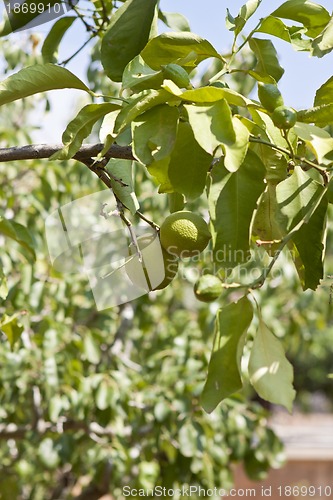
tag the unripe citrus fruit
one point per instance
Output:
(208, 288)
(177, 74)
(269, 96)
(157, 269)
(284, 117)
(184, 234)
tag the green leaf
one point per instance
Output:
(12, 328)
(274, 161)
(154, 133)
(102, 395)
(268, 224)
(55, 407)
(160, 171)
(106, 134)
(3, 285)
(48, 454)
(271, 133)
(330, 191)
(298, 196)
(223, 379)
(270, 372)
(139, 76)
(188, 439)
(149, 472)
(38, 78)
(140, 103)
(176, 202)
(291, 34)
(175, 21)
(19, 233)
(318, 140)
(324, 94)
(309, 242)
(123, 170)
(267, 58)
(91, 349)
(212, 94)
(246, 11)
(235, 153)
(126, 36)
(312, 15)
(274, 26)
(319, 115)
(185, 49)
(214, 126)
(323, 43)
(79, 128)
(232, 200)
(189, 164)
(54, 37)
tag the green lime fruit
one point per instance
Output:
(184, 234)
(208, 288)
(149, 274)
(177, 74)
(269, 96)
(284, 117)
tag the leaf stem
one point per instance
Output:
(285, 135)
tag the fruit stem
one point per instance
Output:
(285, 135)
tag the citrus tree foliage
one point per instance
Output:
(205, 142)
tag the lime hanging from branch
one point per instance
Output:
(208, 288)
(284, 117)
(184, 234)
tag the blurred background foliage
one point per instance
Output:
(93, 401)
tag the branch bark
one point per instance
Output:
(86, 152)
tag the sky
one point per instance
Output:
(303, 75)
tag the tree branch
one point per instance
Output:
(87, 151)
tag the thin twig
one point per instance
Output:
(285, 135)
(129, 226)
(156, 227)
(66, 61)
